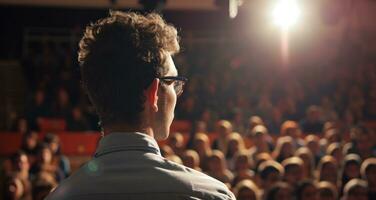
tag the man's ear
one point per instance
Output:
(152, 95)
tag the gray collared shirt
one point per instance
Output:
(130, 166)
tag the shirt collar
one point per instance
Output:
(127, 141)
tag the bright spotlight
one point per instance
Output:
(286, 13)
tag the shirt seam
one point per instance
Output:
(126, 148)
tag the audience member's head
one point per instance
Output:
(247, 190)
(254, 121)
(29, 143)
(176, 142)
(259, 137)
(355, 189)
(77, 114)
(191, 159)
(39, 97)
(216, 162)
(53, 142)
(350, 168)
(327, 191)
(242, 168)
(293, 170)
(20, 162)
(335, 150)
(217, 167)
(306, 190)
(329, 125)
(308, 159)
(62, 98)
(290, 128)
(21, 126)
(279, 191)
(201, 126)
(313, 113)
(224, 128)
(332, 135)
(313, 143)
(270, 172)
(284, 148)
(235, 143)
(327, 170)
(45, 154)
(166, 151)
(368, 172)
(260, 158)
(242, 161)
(201, 144)
(362, 141)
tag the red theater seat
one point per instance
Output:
(79, 143)
(9, 143)
(52, 124)
(72, 143)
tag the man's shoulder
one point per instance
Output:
(200, 184)
(162, 177)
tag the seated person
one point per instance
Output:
(293, 170)
(247, 190)
(355, 189)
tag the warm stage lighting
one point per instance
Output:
(286, 13)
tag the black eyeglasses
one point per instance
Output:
(178, 81)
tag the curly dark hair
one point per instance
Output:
(119, 57)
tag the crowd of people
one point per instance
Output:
(290, 166)
(229, 86)
(286, 134)
(35, 169)
(254, 165)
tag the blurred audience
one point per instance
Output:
(299, 133)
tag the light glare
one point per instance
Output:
(286, 13)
